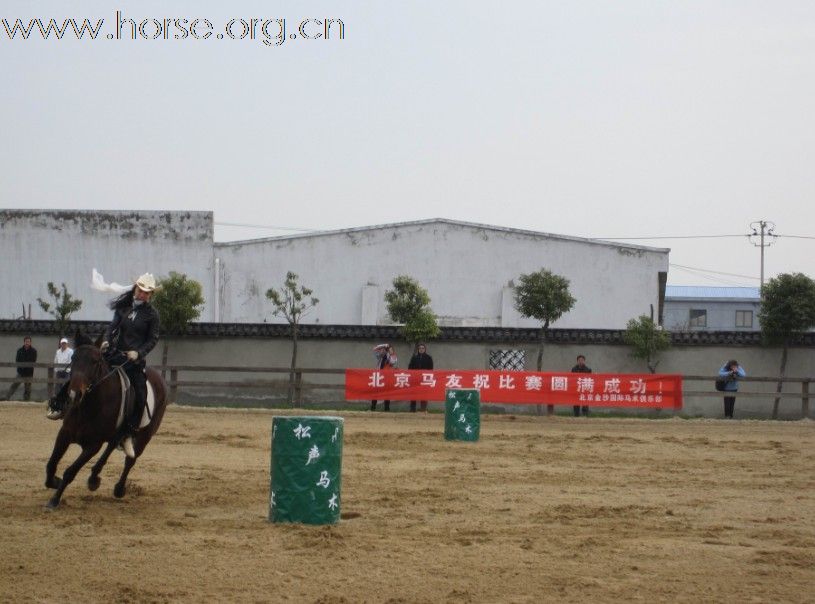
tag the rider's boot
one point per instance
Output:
(56, 404)
(128, 443)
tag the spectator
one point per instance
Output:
(26, 354)
(63, 357)
(731, 372)
(420, 360)
(581, 367)
(385, 359)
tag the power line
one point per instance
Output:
(698, 237)
(705, 270)
(712, 278)
(672, 237)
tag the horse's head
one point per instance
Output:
(80, 339)
(87, 368)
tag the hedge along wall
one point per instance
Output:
(462, 348)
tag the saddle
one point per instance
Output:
(128, 401)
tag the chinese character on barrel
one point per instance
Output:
(462, 414)
(306, 470)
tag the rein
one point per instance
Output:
(95, 383)
(106, 376)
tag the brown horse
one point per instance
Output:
(92, 419)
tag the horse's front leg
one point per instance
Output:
(71, 471)
(93, 479)
(61, 445)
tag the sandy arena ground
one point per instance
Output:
(541, 509)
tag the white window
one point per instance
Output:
(698, 317)
(744, 318)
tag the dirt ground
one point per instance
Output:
(541, 509)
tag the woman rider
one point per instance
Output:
(131, 335)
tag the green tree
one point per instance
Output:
(647, 340)
(544, 296)
(292, 302)
(409, 304)
(178, 302)
(787, 310)
(62, 307)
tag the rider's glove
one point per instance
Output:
(104, 346)
(132, 355)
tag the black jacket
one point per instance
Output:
(134, 328)
(579, 369)
(26, 356)
(421, 360)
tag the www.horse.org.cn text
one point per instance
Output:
(267, 31)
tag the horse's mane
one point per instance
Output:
(80, 339)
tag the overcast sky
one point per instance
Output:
(593, 119)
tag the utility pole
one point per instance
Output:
(763, 230)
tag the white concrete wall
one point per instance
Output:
(38, 246)
(339, 354)
(465, 268)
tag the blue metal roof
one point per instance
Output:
(702, 291)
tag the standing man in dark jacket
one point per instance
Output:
(581, 367)
(26, 354)
(420, 360)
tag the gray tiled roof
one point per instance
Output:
(381, 332)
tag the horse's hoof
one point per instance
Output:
(53, 482)
(119, 491)
(93, 483)
(52, 504)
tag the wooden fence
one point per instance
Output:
(175, 384)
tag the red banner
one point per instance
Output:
(519, 387)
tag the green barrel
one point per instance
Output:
(462, 415)
(306, 470)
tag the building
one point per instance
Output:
(59, 246)
(697, 308)
(468, 269)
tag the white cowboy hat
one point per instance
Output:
(147, 283)
(63, 341)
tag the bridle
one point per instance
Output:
(98, 381)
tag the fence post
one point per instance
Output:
(298, 389)
(173, 385)
(805, 398)
(50, 385)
